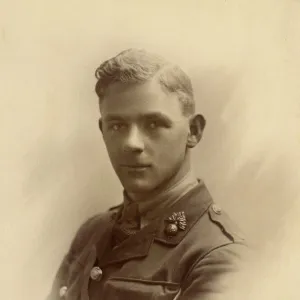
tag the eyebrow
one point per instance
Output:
(113, 117)
(153, 115)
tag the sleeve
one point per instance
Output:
(60, 279)
(213, 274)
(59, 283)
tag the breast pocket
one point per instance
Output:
(118, 288)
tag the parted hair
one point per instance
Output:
(138, 66)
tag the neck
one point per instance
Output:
(183, 171)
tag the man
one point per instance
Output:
(168, 239)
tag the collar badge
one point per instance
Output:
(177, 221)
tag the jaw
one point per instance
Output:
(138, 188)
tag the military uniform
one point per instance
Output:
(183, 254)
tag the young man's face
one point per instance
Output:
(145, 133)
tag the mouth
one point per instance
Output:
(136, 167)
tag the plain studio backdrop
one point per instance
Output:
(243, 58)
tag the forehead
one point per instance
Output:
(136, 99)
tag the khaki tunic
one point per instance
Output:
(155, 263)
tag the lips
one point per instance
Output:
(135, 167)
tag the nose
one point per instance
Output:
(133, 141)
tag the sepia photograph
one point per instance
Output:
(151, 150)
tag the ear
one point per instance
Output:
(100, 125)
(197, 124)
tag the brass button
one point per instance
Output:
(96, 274)
(217, 209)
(171, 229)
(62, 291)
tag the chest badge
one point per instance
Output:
(176, 222)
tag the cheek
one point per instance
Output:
(112, 146)
(177, 139)
(170, 145)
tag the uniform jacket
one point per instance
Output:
(188, 264)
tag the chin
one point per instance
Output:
(138, 186)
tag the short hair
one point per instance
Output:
(139, 66)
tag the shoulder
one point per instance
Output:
(216, 229)
(97, 219)
(227, 226)
(115, 208)
(90, 226)
(225, 243)
(219, 240)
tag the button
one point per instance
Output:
(171, 229)
(62, 291)
(96, 274)
(217, 209)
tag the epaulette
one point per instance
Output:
(227, 226)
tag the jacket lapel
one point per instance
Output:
(135, 246)
(193, 204)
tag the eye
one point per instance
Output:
(117, 126)
(153, 125)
